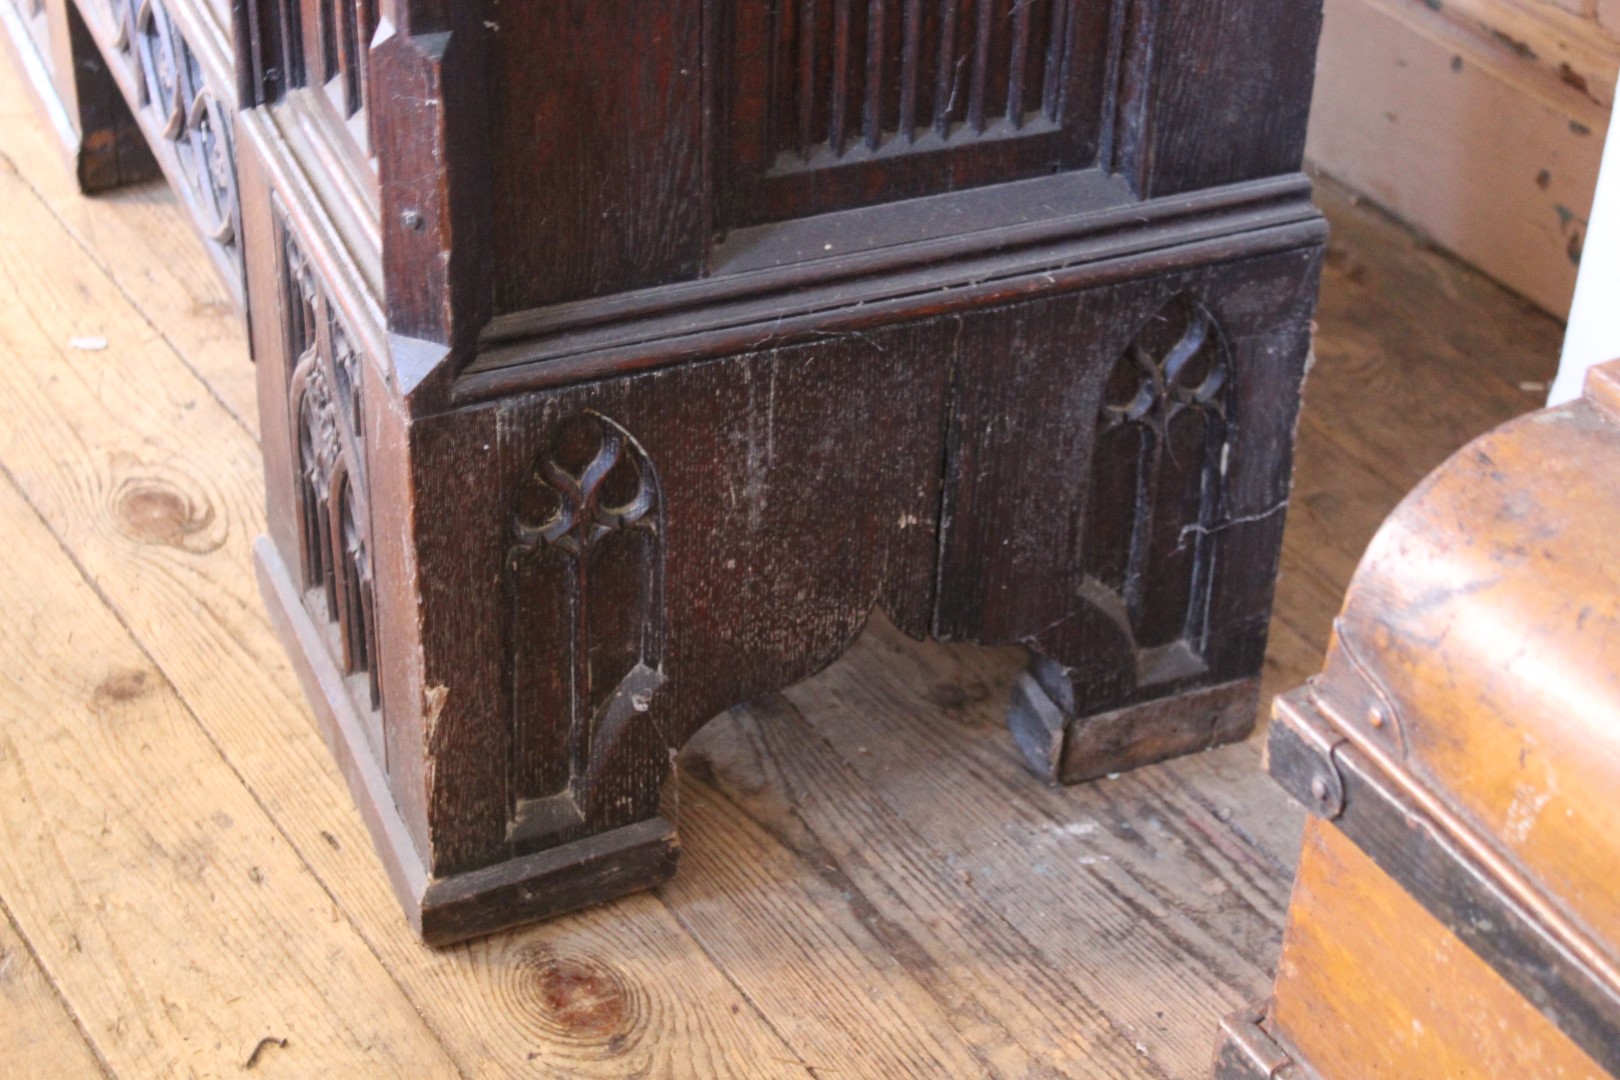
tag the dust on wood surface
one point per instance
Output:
(872, 885)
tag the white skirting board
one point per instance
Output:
(1481, 124)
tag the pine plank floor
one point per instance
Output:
(871, 885)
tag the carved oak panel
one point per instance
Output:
(186, 119)
(1151, 479)
(328, 441)
(939, 94)
(1159, 455)
(585, 574)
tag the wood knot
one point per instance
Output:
(156, 512)
(578, 998)
(123, 686)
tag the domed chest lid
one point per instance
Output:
(1477, 660)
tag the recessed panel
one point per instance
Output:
(841, 103)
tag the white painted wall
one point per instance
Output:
(1463, 119)
(1594, 317)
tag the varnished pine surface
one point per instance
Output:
(871, 884)
(1372, 985)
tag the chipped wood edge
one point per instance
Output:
(442, 911)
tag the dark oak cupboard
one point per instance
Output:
(618, 358)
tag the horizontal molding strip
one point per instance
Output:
(767, 309)
(1117, 214)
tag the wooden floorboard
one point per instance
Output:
(184, 935)
(39, 1036)
(149, 254)
(154, 486)
(872, 885)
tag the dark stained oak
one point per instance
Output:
(1098, 929)
(617, 361)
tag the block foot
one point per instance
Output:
(1064, 748)
(442, 910)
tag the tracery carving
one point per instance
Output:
(583, 514)
(585, 571)
(173, 93)
(334, 525)
(357, 615)
(1161, 449)
(299, 290)
(346, 368)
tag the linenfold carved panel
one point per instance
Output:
(344, 30)
(868, 71)
(1160, 449)
(328, 436)
(585, 571)
(992, 90)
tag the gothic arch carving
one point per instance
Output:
(327, 438)
(1161, 447)
(194, 123)
(585, 580)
